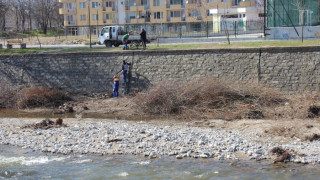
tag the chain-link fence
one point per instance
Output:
(288, 13)
(199, 29)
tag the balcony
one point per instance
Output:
(72, 11)
(69, 23)
(63, 11)
(66, 1)
(245, 4)
(109, 9)
(194, 18)
(175, 6)
(108, 21)
(174, 19)
(194, 5)
(137, 21)
(67, 11)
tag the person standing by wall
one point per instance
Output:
(143, 36)
(124, 70)
(115, 91)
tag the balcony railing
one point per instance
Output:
(71, 22)
(71, 10)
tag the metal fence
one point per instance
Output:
(182, 29)
(198, 29)
(288, 13)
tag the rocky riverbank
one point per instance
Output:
(154, 139)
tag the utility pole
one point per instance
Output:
(88, 1)
(264, 17)
(98, 19)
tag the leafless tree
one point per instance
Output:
(47, 14)
(3, 9)
(301, 7)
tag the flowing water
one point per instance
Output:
(24, 164)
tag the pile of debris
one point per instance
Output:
(65, 108)
(282, 154)
(46, 124)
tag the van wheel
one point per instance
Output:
(108, 44)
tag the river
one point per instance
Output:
(17, 163)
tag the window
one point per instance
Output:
(176, 2)
(261, 15)
(194, 13)
(230, 16)
(95, 4)
(158, 15)
(104, 30)
(236, 2)
(208, 13)
(224, 0)
(209, 1)
(156, 2)
(175, 14)
(73, 31)
(82, 17)
(110, 16)
(95, 17)
(144, 2)
(82, 5)
(109, 4)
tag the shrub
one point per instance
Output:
(207, 98)
(7, 95)
(41, 97)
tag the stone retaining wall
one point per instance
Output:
(289, 69)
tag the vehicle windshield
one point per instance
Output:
(104, 30)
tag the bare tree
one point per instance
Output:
(3, 10)
(47, 13)
(301, 7)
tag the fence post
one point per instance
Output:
(180, 31)
(207, 29)
(235, 29)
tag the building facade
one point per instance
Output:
(109, 12)
(246, 14)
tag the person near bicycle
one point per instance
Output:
(125, 41)
(143, 36)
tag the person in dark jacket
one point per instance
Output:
(124, 70)
(143, 36)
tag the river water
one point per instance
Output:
(16, 163)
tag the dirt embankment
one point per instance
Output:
(257, 111)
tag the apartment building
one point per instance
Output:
(241, 11)
(109, 12)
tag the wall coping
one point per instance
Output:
(187, 51)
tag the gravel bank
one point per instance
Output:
(154, 140)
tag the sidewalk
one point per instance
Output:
(216, 39)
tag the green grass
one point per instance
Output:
(296, 43)
(56, 50)
(170, 47)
